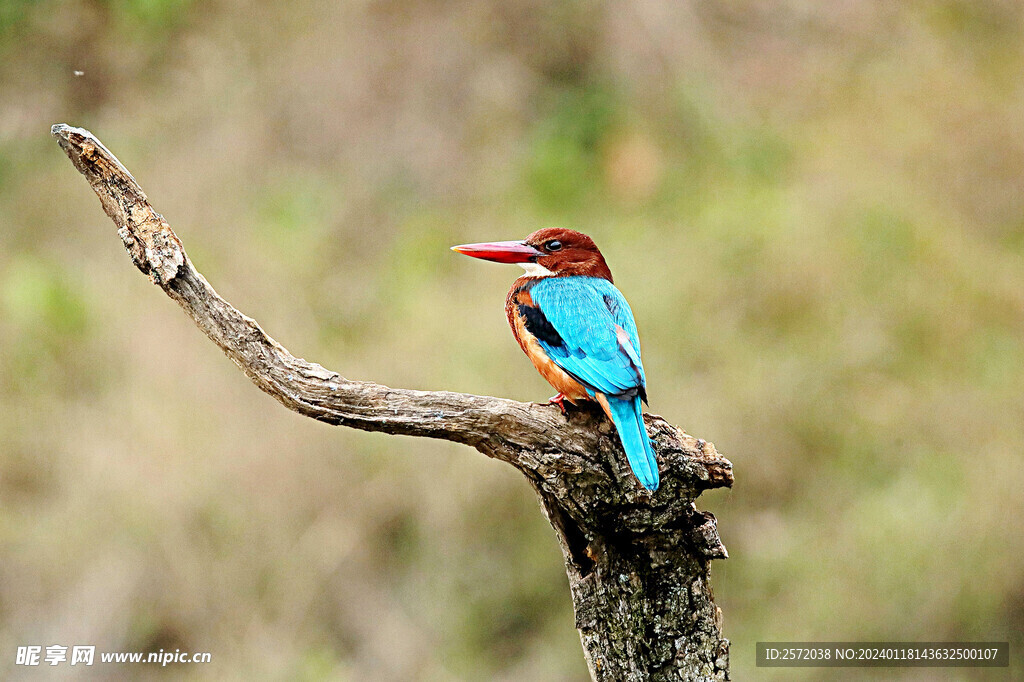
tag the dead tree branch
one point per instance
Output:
(638, 565)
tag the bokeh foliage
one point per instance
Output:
(815, 210)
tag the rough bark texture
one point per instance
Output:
(638, 564)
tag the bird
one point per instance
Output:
(578, 331)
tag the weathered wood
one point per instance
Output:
(638, 564)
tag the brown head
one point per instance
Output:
(552, 251)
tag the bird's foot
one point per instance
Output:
(558, 400)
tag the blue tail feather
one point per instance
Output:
(629, 422)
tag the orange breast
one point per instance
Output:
(555, 375)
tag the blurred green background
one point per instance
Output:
(815, 209)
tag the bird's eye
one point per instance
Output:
(553, 245)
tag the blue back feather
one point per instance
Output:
(586, 311)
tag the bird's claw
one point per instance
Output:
(558, 400)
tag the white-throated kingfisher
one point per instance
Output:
(578, 331)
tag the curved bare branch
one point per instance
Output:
(607, 525)
(519, 433)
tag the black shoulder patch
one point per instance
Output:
(538, 325)
(612, 305)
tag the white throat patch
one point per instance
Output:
(536, 270)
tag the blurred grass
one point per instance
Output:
(815, 211)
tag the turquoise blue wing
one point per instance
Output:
(596, 339)
(586, 327)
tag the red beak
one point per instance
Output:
(500, 252)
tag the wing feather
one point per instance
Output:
(600, 346)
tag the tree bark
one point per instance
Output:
(638, 564)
